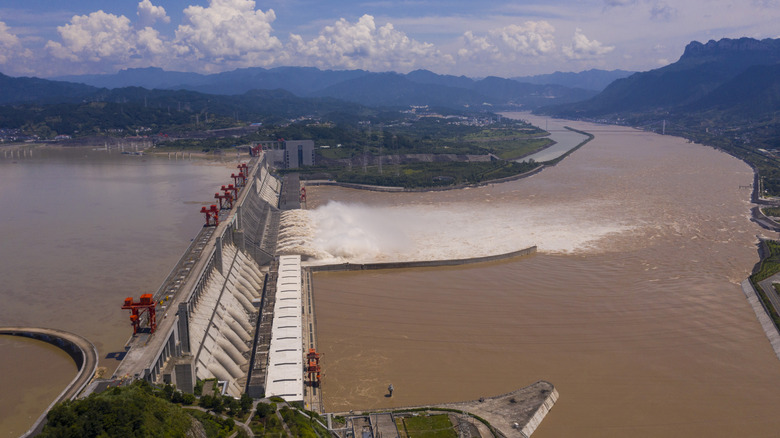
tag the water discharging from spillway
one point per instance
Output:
(632, 306)
(338, 231)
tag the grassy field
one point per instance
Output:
(433, 426)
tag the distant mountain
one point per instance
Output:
(500, 91)
(151, 78)
(429, 77)
(24, 89)
(701, 70)
(593, 79)
(396, 90)
(420, 87)
(752, 93)
(298, 80)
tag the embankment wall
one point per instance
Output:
(420, 264)
(80, 349)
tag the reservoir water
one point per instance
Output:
(631, 308)
(82, 230)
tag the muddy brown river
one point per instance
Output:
(81, 230)
(632, 307)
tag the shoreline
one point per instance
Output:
(396, 189)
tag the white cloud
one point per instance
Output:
(583, 48)
(95, 37)
(510, 43)
(227, 30)
(148, 14)
(10, 47)
(363, 45)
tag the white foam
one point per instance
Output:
(339, 232)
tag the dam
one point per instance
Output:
(217, 305)
(238, 306)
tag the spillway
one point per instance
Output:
(211, 300)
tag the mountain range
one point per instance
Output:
(734, 75)
(420, 87)
(593, 79)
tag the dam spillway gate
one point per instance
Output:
(216, 307)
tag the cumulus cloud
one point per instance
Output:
(10, 46)
(227, 30)
(583, 48)
(226, 33)
(148, 14)
(362, 45)
(95, 37)
(510, 43)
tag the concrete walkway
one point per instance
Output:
(79, 348)
(770, 329)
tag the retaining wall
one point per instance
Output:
(420, 264)
(80, 349)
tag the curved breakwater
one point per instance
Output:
(81, 350)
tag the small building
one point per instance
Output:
(298, 153)
(289, 154)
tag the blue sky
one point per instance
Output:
(475, 38)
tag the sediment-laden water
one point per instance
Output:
(81, 230)
(631, 307)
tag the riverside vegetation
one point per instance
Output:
(143, 410)
(406, 152)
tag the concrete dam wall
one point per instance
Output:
(212, 297)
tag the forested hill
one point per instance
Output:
(714, 67)
(134, 110)
(36, 90)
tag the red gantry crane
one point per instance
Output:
(137, 308)
(225, 201)
(231, 190)
(313, 370)
(212, 215)
(239, 180)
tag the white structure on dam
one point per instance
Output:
(285, 356)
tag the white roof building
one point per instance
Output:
(285, 356)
